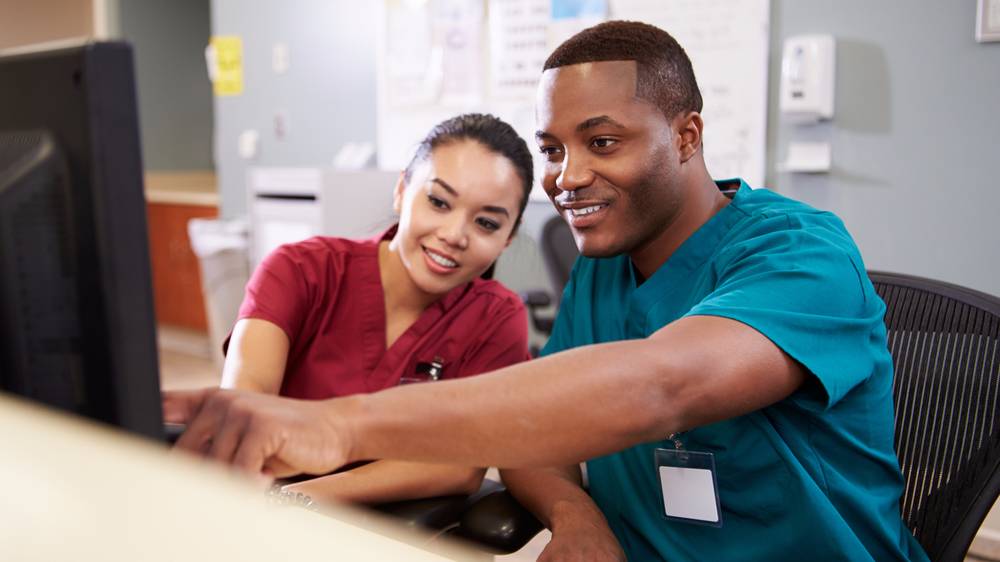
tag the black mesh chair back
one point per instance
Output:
(945, 345)
(558, 252)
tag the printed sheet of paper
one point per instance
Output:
(224, 57)
(572, 16)
(458, 29)
(518, 46)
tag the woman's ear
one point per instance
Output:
(397, 194)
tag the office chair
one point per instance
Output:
(440, 513)
(944, 343)
(559, 252)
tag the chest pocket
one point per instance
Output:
(753, 476)
(446, 356)
(424, 371)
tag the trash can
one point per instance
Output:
(222, 250)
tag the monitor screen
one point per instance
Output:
(76, 312)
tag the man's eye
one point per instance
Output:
(437, 202)
(603, 142)
(492, 226)
(548, 150)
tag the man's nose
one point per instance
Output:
(574, 174)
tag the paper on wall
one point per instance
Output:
(518, 47)
(224, 59)
(727, 41)
(569, 17)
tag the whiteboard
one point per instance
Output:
(423, 46)
(727, 42)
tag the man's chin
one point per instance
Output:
(594, 249)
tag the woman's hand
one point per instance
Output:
(261, 434)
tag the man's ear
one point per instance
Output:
(689, 127)
(397, 194)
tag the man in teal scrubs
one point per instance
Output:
(812, 475)
(719, 357)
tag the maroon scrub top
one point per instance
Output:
(326, 294)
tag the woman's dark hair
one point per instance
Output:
(492, 133)
(489, 131)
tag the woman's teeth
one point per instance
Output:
(441, 260)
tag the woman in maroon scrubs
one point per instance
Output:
(331, 317)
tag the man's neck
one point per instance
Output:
(702, 200)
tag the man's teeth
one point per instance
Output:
(586, 210)
(441, 260)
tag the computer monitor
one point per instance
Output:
(76, 309)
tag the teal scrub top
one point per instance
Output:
(814, 476)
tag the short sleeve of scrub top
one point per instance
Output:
(279, 290)
(804, 287)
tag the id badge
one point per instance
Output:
(688, 486)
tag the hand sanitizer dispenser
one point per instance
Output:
(807, 71)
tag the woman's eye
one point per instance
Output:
(492, 226)
(437, 202)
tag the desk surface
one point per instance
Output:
(195, 187)
(77, 491)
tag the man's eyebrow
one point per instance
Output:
(488, 208)
(587, 124)
(596, 121)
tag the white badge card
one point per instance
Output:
(688, 486)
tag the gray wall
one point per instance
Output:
(175, 96)
(916, 134)
(327, 97)
(916, 137)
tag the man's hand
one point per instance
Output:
(260, 433)
(582, 536)
(579, 530)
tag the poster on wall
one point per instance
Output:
(457, 27)
(433, 53)
(569, 17)
(224, 59)
(988, 21)
(411, 64)
(518, 46)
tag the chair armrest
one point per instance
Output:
(536, 297)
(498, 522)
(438, 512)
(536, 300)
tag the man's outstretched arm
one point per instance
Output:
(557, 410)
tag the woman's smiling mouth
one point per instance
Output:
(443, 263)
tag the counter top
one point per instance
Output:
(194, 187)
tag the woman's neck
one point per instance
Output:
(401, 294)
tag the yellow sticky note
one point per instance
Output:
(228, 79)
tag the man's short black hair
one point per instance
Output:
(665, 77)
